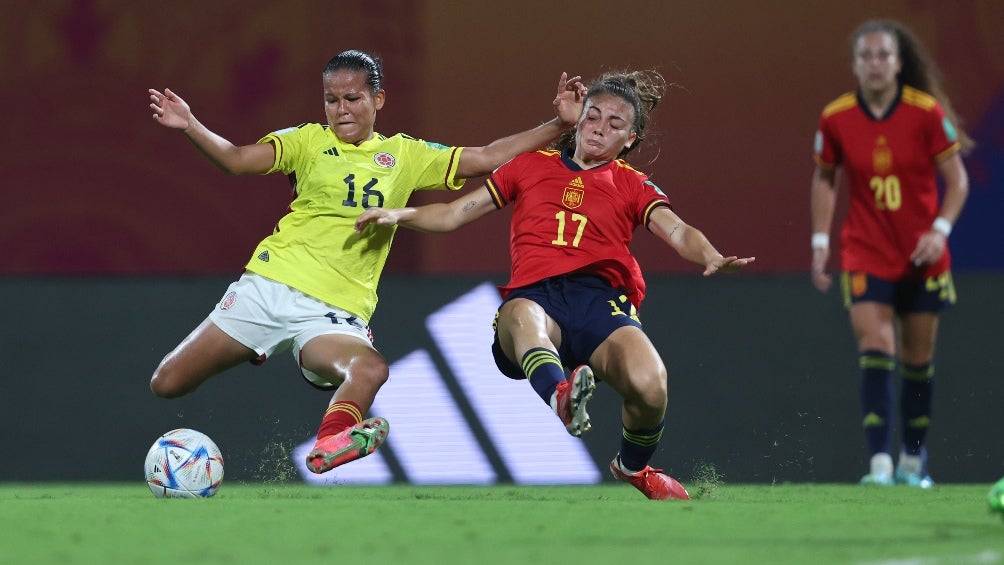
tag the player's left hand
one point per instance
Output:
(727, 265)
(929, 249)
(569, 101)
(378, 216)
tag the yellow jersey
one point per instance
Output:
(314, 248)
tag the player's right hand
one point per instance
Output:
(820, 278)
(570, 99)
(169, 109)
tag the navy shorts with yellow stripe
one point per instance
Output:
(585, 307)
(933, 294)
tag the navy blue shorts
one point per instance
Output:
(585, 307)
(905, 297)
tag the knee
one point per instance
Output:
(878, 340)
(652, 392)
(655, 394)
(373, 372)
(160, 386)
(645, 405)
(520, 312)
(165, 384)
(916, 356)
(369, 372)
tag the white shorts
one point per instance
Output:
(270, 317)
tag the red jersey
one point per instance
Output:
(572, 220)
(891, 168)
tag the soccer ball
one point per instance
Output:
(184, 463)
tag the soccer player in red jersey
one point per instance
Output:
(891, 138)
(575, 289)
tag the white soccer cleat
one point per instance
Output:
(880, 473)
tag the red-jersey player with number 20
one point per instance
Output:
(891, 138)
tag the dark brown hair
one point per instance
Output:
(919, 69)
(353, 60)
(641, 89)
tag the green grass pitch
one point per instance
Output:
(612, 524)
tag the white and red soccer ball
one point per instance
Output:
(184, 463)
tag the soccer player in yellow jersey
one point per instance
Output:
(310, 286)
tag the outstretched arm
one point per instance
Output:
(170, 110)
(823, 200)
(437, 218)
(691, 244)
(477, 161)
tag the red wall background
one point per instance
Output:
(92, 186)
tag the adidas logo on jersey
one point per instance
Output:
(332, 151)
(263, 256)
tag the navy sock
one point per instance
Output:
(876, 399)
(637, 446)
(915, 405)
(544, 371)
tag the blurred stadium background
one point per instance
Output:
(117, 237)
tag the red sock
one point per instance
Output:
(339, 416)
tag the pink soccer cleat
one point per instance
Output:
(347, 445)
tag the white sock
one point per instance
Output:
(624, 469)
(910, 464)
(881, 464)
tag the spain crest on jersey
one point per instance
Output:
(573, 194)
(882, 156)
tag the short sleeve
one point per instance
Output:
(502, 183)
(943, 136)
(826, 148)
(434, 165)
(288, 143)
(648, 197)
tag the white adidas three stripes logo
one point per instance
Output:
(430, 436)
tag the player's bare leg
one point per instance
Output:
(630, 364)
(205, 352)
(530, 339)
(359, 371)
